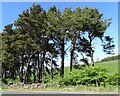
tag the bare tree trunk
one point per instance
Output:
(72, 55)
(39, 73)
(27, 74)
(19, 73)
(5, 73)
(2, 73)
(62, 59)
(34, 75)
(22, 67)
(42, 65)
(92, 60)
(13, 72)
(51, 67)
(92, 52)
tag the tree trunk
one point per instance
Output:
(19, 73)
(21, 76)
(13, 72)
(92, 60)
(27, 74)
(51, 68)
(42, 66)
(39, 73)
(62, 59)
(5, 73)
(34, 74)
(2, 73)
(72, 55)
(22, 72)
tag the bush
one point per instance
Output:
(89, 76)
(113, 79)
(4, 81)
(79, 66)
(68, 80)
(92, 75)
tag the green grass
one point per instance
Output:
(111, 66)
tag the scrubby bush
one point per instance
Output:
(89, 76)
(68, 80)
(92, 75)
(113, 79)
(4, 81)
(79, 66)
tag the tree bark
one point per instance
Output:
(13, 72)
(51, 68)
(42, 65)
(72, 55)
(27, 74)
(34, 74)
(90, 39)
(5, 73)
(62, 59)
(22, 67)
(39, 73)
(92, 60)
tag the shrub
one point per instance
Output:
(92, 75)
(89, 76)
(79, 66)
(68, 80)
(113, 79)
(4, 81)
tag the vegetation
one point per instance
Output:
(112, 58)
(111, 66)
(32, 44)
(107, 79)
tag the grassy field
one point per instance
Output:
(111, 66)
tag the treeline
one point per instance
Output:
(32, 44)
(111, 58)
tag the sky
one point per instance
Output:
(10, 11)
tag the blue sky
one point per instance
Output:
(10, 11)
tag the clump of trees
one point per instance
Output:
(110, 58)
(32, 44)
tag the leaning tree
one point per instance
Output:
(94, 27)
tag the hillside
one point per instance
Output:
(117, 57)
(111, 66)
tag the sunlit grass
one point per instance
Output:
(112, 66)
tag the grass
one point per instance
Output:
(111, 66)
(79, 88)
